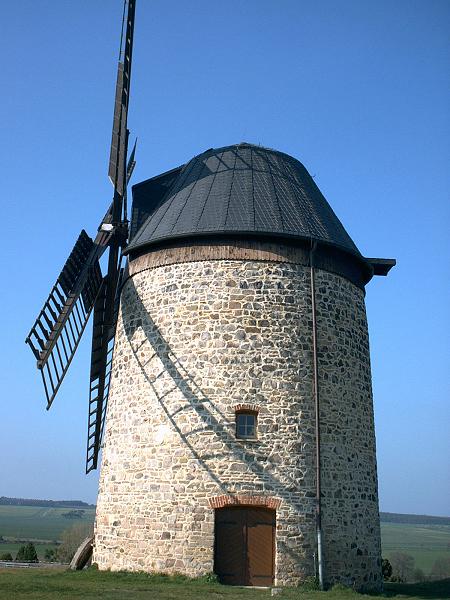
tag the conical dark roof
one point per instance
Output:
(241, 190)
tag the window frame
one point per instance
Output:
(246, 412)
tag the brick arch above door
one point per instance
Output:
(244, 500)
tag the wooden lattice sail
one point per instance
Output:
(81, 288)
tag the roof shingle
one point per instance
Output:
(242, 189)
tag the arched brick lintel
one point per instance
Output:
(244, 407)
(240, 500)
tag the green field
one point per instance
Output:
(37, 523)
(425, 543)
(43, 584)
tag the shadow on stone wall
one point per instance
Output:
(138, 317)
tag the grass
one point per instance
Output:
(43, 584)
(425, 543)
(440, 590)
(38, 523)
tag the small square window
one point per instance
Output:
(246, 425)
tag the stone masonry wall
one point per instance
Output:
(194, 342)
(351, 528)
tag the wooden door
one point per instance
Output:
(245, 546)
(229, 561)
(260, 524)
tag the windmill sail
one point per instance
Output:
(99, 382)
(106, 309)
(117, 158)
(117, 153)
(131, 162)
(59, 326)
(80, 287)
(101, 364)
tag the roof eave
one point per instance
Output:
(381, 266)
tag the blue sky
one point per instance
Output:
(355, 89)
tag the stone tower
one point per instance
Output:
(240, 405)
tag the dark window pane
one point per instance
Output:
(241, 431)
(245, 425)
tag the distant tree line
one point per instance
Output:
(5, 501)
(386, 517)
(73, 514)
(401, 567)
(26, 553)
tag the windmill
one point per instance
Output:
(81, 288)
